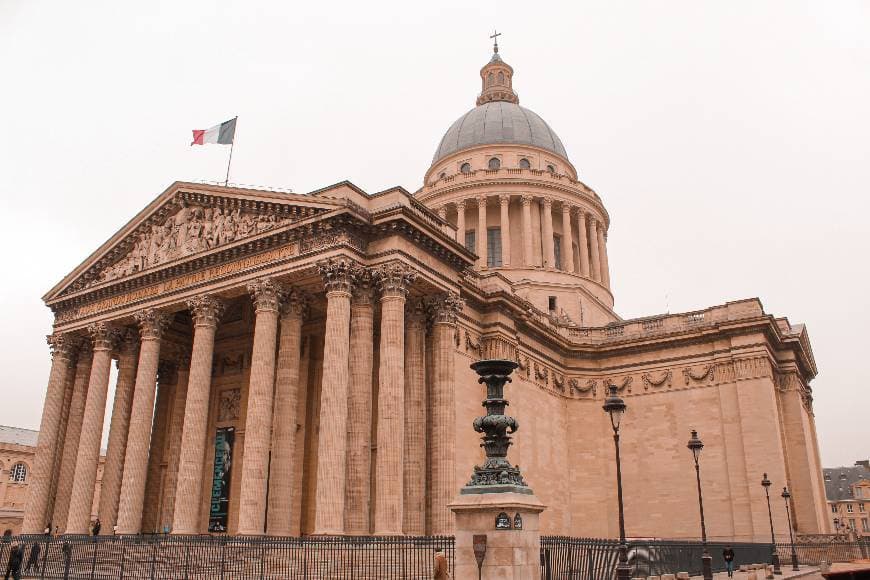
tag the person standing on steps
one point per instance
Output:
(441, 568)
(728, 555)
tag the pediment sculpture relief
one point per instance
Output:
(192, 228)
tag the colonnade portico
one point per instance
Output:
(579, 226)
(178, 423)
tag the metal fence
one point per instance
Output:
(232, 558)
(835, 550)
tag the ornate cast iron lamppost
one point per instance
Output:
(496, 475)
(794, 559)
(615, 406)
(695, 445)
(775, 557)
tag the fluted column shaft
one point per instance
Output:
(152, 323)
(167, 379)
(414, 523)
(593, 245)
(583, 239)
(602, 252)
(547, 233)
(113, 470)
(528, 258)
(73, 436)
(332, 444)
(505, 202)
(82, 497)
(176, 426)
(69, 387)
(393, 281)
(481, 230)
(284, 423)
(442, 451)
(460, 222)
(35, 516)
(206, 312)
(567, 239)
(359, 413)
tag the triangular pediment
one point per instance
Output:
(187, 220)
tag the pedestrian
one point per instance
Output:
(33, 559)
(97, 527)
(16, 557)
(441, 568)
(728, 555)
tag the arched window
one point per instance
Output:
(18, 473)
(551, 169)
(489, 80)
(525, 164)
(500, 78)
(465, 168)
(442, 175)
(494, 163)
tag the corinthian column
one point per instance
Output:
(152, 325)
(528, 258)
(460, 222)
(393, 280)
(176, 425)
(504, 201)
(267, 295)
(35, 516)
(167, 379)
(547, 232)
(359, 412)
(583, 240)
(442, 451)
(414, 523)
(281, 471)
(602, 252)
(206, 312)
(593, 245)
(567, 239)
(73, 435)
(481, 230)
(332, 445)
(82, 498)
(113, 470)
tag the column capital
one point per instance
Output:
(504, 198)
(152, 323)
(267, 294)
(566, 207)
(547, 202)
(460, 204)
(364, 284)
(104, 336)
(415, 314)
(295, 304)
(578, 211)
(481, 200)
(179, 356)
(393, 280)
(129, 341)
(206, 310)
(337, 274)
(445, 308)
(63, 344)
(527, 199)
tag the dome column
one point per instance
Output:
(602, 253)
(460, 222)
(505, 202)
(583, 240)
(527, 230)
(549, 252)
(567, 239)
(481, 230)
(593, 244)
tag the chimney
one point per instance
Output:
(865, 463)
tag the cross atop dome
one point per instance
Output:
(497, 78)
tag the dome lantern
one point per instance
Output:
(497, 79)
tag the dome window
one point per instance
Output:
(465, 168)
(495, 163)
(551, 169)
(525, 164)
(442, 175)
(489, 79)
(500, 77)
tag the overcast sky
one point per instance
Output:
(730, 141)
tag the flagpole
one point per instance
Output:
(230, 160)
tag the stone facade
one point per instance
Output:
(307, 357)
(848, 494)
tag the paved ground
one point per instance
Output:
(805, 574)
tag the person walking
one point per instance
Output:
(97, 527)
(442, 571)
(16, 557)
(728, 556)
(33, 559)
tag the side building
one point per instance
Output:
(848, 493)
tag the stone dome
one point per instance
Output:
(496, 123)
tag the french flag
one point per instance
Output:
(221, 134)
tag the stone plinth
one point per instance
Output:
(510, 553)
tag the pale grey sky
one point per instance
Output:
(730, 141)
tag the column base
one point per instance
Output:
(511, 553)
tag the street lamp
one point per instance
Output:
(695, 445)
(615, 406)
(775, 557)
(794, 559)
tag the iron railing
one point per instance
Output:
(835, 550)
(232, 557)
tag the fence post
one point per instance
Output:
(223, 550)
(94, 558)
(153, 558)
(123, 556)
(67, 555)
(186, 559)
(262, 559)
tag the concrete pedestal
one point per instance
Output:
(513, 554)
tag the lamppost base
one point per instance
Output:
(794, 562)
(707, 566)
(775, 561)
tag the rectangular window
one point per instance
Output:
(852, 524)
(493, 247)
(858, 492)
(833, 508)
(557, 251)
(470, 241)
(849, 507)
(551, 303)
(860, 507)
(865, 525)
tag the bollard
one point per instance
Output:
(682, 576)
